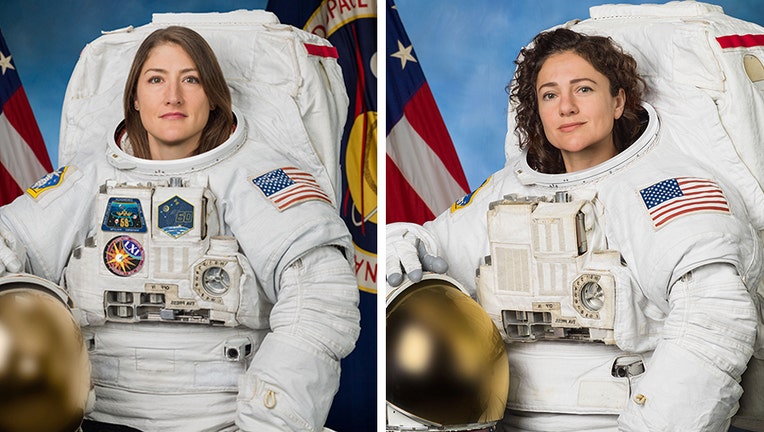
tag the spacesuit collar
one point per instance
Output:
(528, 176)
(124, 161)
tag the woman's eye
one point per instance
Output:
(155, 80)
(585, 89)
(547, 96)
(191, 79)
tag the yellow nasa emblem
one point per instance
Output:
(361, 175)
(467, 199)
(361, 165)
(47, 182)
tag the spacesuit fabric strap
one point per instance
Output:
(294, 376)
(691, 383)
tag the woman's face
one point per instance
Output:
(172, 103)
(577, 110)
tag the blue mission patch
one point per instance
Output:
(175, 217)
(124, 215)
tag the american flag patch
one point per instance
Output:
(680, 196)
(288, 186)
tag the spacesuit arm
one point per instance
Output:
(411, 249)
(295, 374)
(41, 231)
(692, 381)
(453, 242)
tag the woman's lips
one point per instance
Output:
(173, 116)
(569, 127)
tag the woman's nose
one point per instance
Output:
(174, 95)
(567, 105)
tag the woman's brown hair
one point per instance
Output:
(606, 57)
(220, 123)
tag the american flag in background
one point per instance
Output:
(288, 186)
(424, 175)
(671, 198)
(23, 156)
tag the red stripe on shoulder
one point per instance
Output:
(322, 50)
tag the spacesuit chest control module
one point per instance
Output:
(192, 275)
(547, 276)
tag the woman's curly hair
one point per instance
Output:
(606, 57)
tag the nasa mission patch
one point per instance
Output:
(124, 215)
(467, 199)
(47, 182)
(175, 217)
(123, 256)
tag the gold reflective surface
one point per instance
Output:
(44, 368)
(446, 361)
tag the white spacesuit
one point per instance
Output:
(638, 300)
(215, 288)
(645, 315)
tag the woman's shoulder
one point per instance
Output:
(272, 188)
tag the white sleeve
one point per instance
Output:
(50, 225)
(692, 380)
(294, 375)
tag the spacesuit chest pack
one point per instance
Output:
(155, 256)
(548, 277)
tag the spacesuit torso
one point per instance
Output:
(174, 271)
(581, 266)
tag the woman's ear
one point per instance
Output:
(620, 104)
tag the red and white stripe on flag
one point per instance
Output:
(671, 198)
(23, 156)
(288, 186)
(424, 175)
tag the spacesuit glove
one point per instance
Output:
(411, 250)
(9, 252)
